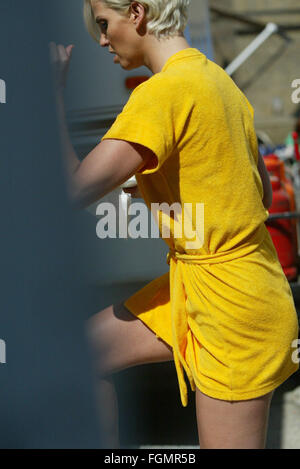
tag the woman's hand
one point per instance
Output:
(60, 58)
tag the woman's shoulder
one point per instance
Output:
(160, 83)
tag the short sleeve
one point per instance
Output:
(148, 119)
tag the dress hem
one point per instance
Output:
(222, 395)
(243, 395)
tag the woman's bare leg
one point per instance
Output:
(118, 340)
(232, 425)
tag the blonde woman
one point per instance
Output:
(224, 312)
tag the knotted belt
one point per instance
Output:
(180, 325)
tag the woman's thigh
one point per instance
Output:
(232, 425)
(119, 340)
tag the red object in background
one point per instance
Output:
(281, 230)
(275, 167)
(296, 140)
(132, 82)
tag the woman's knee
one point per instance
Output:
(96, 329)
(99, 335)
(119, 340)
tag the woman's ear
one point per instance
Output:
(138, 14)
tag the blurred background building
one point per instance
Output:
(267, 76)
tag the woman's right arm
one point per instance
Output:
(268, 191)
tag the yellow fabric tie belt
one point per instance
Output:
(180, 327)
(217, 258)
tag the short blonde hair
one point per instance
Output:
(166, 18)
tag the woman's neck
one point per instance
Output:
(157, 52)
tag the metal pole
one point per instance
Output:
(270, 29)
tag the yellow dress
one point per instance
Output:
(225, 306)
